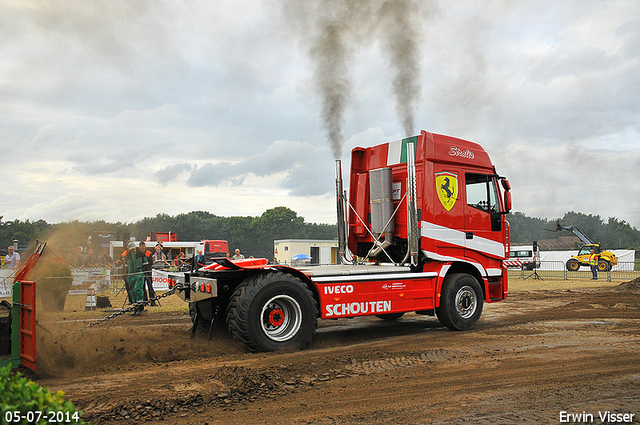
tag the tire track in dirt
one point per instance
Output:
(409, 377)
(422, 393)
(377, 366)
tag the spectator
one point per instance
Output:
(90, 259)
(118, 270)
(148, 281)
(105, 259)
(125, 270)
(178, 262)
(593, 264)
(76, 259)
(12, 259)
(238, 256)
(200, 260)
(159, 257)
(135, 260)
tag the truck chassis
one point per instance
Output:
(277, 307)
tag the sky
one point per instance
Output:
(122, 110)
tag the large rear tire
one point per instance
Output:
(271, 312)
(461, 302)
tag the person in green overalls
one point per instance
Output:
(135, 259)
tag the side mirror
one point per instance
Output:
(507, 201)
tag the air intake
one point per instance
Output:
(380, 193)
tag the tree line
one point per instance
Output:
(255, 235)
(612, 233)
(252, 235)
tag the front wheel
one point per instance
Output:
(272, 311)
(573, 265)
(604, 266)
(460, 303)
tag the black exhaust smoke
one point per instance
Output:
(332, 30)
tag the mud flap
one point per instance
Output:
(198, 317)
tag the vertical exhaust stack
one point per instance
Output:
(380, 194)
(342, 218)
(413, 236)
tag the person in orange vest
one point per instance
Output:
(593, 263)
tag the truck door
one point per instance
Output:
(484, 233)
(443, 214)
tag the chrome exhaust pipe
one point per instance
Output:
(342, 219)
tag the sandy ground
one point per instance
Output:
(548, 349)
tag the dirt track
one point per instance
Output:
(530, 358)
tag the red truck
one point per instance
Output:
(423, 230)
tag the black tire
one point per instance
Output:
(272, 311)
(390, 316)
(461, 302)
(604, 266)
(573, 265)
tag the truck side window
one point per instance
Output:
(481, 192)
(520, 254)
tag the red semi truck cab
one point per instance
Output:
(423, 230)
(460, 202)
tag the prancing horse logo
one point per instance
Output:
(447, 189)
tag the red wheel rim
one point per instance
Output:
(276, 317)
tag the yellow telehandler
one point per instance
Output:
(606, 259)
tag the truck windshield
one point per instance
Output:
(481, 192)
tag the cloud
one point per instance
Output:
(97, 166)
(312, 179)
(520, 71)
(167, 174)
(213, 174)
(68, 207)
(549, 181)
(301, 163)
(219, 103)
